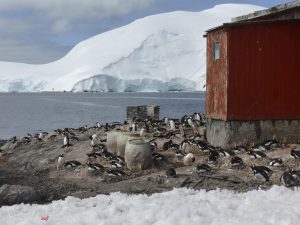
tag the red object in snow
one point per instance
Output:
(45, 218)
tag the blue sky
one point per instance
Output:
(40, 31)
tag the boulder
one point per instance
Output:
(15, 194)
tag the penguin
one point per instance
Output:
(94, 155)
(295, 154)
(71, 164)
(158, 157)
(66, 141)
(189, 159)
(143, 132)
(227, 152)
(60, 161)
(93, 139)
(94, 166)
(98, 125)
(287, 179)
(180, 153)
(115, 164)
(171, 173)
(256, 154)
(191, 123)
(264, 168)
(203, 168)
(166, 120)
(197, 116)
(239, 149)
(260, 148)
(270, 143)
(236, 161)
(133, 127)
(261, 174)
(115, 173)
(167, 145)
(184, 144)
(172, 125)
(276, 162)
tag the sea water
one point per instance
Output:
(22, 113)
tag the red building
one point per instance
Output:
(253, 77)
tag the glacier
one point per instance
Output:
(156, 53)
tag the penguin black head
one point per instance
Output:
(171, 173)
(61, 155)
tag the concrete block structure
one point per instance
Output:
(253, 75)
(142, 112)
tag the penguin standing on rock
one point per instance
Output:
(93, 139)
(60, 161)
(172, 125)
(66, 142)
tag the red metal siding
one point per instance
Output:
(216, 77)
(264, 71)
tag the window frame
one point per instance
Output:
(214, 51)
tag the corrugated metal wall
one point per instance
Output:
(264, 71)
(216, 77)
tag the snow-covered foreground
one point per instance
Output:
(278, 205)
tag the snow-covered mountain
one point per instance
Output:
(155, 53)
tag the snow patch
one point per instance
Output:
(278, 205)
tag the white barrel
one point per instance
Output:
(138, 154)
(112, 138)
(122, 139)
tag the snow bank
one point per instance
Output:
(278, 205)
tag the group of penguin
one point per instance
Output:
(263, 173)
(168, 128)
(99, 150)
(165, 129)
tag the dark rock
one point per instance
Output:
(15, 194)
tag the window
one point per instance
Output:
(216, 51)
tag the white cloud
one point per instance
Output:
(76, 9)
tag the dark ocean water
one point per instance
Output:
(35, 112)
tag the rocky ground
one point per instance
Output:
(32, 167)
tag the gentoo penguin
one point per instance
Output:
(276, 162)
(197, 116)
(66, 141)
(172, 125)
(260, 174)
(115, 164)
(158, 157)
(133, 127)
(166, 120)
(256, 154)
(236, 161)
(239, 149)
(295, 154)
(98, 125)
(94, 166)
(71, 164)
(264, 168)
(191, 123)
(203, 168)
(94, 155)
(93, 139)
(287, 179)
(227, 152)
(171, 173)
(60, 161)
(115, 173)
(184, 144)
(143, 132)
(189, 159)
